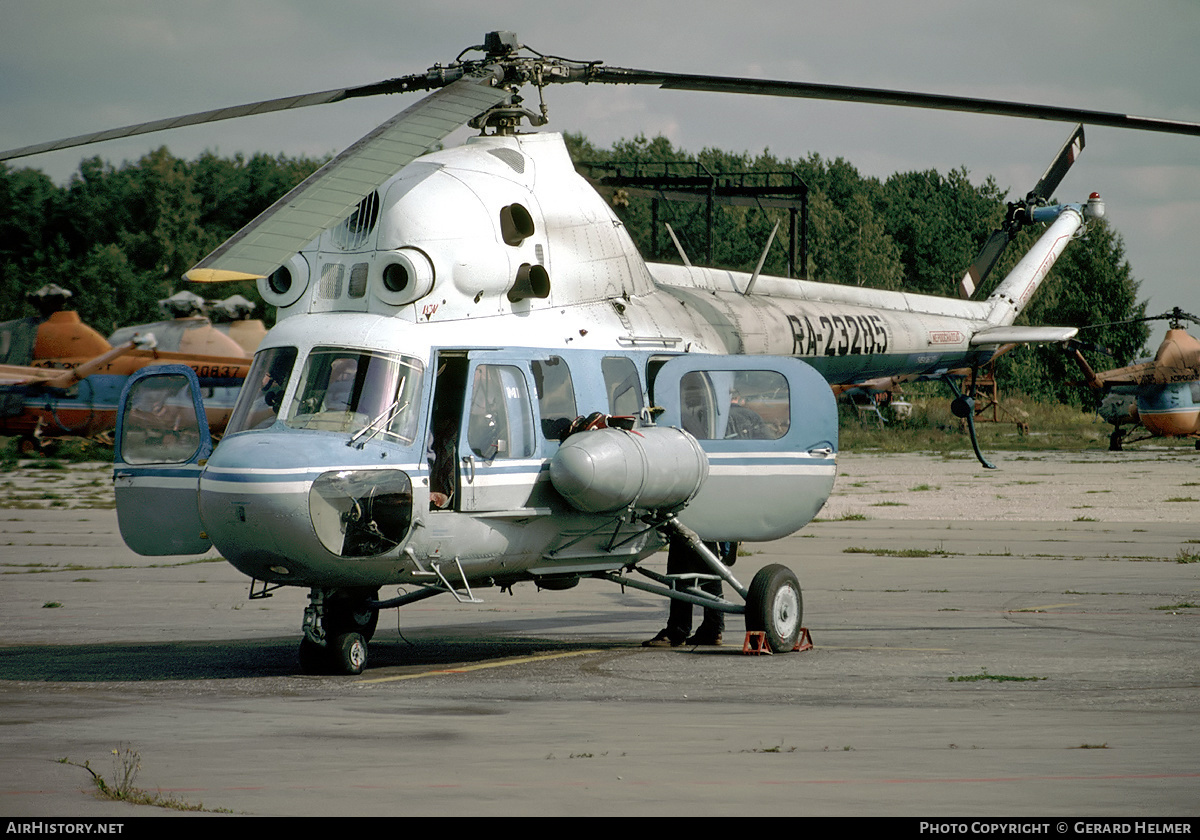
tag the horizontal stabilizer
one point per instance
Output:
(1023, 335)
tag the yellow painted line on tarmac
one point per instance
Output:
(502, 663)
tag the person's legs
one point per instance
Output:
(680, 559)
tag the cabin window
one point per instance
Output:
(355, 391)
(261, 396)
(500, 424)
(623, 386)
(735, 405)
(556, 396)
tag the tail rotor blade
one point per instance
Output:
(983, 264)
(1058, 169)
(1019, 215)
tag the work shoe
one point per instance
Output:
(704, 636)
(663, 639)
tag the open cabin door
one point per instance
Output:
(483, 440)
(769, 427)
(162, 442)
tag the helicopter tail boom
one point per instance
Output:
(1014, 293)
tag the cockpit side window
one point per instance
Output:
(259, 402)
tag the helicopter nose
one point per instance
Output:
(307, 525)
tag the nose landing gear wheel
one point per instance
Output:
(775, 606)
(345, 653)
(348, 652)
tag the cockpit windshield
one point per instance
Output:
(344, 390)
(347, 390)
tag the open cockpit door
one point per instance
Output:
(769, 427)
(162, 442)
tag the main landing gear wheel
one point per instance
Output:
(775, 606)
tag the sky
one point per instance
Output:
(68, 67)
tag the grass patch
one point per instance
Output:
(984, 675)
(900, 552)
(780, 748)
(127, 763)
(1183, 605)
(48, 464)
(845, 517)
(1187, 556)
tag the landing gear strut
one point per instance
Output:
(337, 626)
(774, 604)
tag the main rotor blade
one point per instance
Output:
(286, 103)
(329, 194)
(879, 96)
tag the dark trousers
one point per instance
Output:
(681, 559)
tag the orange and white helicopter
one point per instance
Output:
(444, 318)
(1162, 394)
(60, 378)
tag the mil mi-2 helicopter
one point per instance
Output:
(1162, 395)
(445, 320)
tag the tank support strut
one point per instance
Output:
(697, 545)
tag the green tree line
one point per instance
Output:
(120, 237)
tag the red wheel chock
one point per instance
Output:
(756, 642)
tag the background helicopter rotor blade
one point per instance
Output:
(1175, 315)
(880, 96)
(403, 84)
(329, 194)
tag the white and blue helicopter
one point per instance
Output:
(443, 321)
